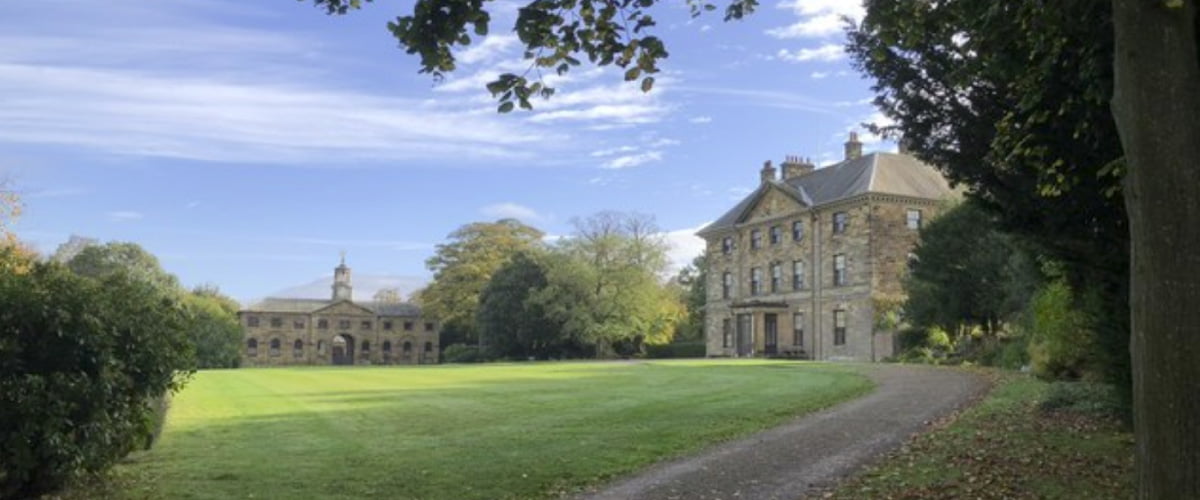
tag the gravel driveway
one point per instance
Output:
(789, 461)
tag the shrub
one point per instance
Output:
(676, 350)
(1082, 397)
(461, 353)
(1061, 346)
(81, 364)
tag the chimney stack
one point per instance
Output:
(795, 166)
(768, 172)
(853, 147)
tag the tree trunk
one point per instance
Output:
(1156, 103)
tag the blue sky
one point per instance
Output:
(247, 143)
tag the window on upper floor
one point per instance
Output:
(841, 220)
(727, 245)
(839, 327)
(408, 326)
(797, 274)
(276, 322)
(429, 327)
(322, 324)
(387, 325)
(252, 321)
(776, 233)
(755, 281)
(797, 230)
(839, 269)
(776, 276)
(365, 325)
(726, 285)
(344, 324)
(297, 324)
(913, 219)
(755, 239)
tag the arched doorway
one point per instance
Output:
(343, 350)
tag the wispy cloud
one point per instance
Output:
(55, 193)
(612, 151)
(510, 210)
(124, 216)
(827, 53)
(490, 48)
(634, 160)
(700, 119)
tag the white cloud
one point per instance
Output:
(124, 216)
(633, 160)
(612, 151)
(700, 119)
(490, 48)
(684, 246)
(827, 53)
(620, 113)
(817, 18)
(705, 28)
(510, 210)
(664, 142)
(817, 75)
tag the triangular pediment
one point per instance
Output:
(771, 201)
(344, 307)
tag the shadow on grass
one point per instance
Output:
(524, 435)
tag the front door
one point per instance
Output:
(745, 335)
(343, 350)
(770, 334)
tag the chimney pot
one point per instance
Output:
(853, 147)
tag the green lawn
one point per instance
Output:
(525, 430)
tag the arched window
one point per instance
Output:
(275, 345)
(429, 347)
(298, 349)
(321, 347)
(366, 347)
(252, 347)
(387, 346)
(407, 348)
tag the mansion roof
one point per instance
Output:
(883, 173)
(309, 306)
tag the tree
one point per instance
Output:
(1156, 103)
(81, 362)
(69, 249)
(556, 33)
(10, 210)
(691, 281)
(1011, 99)
(462, 268)
(213, 328)
(966, 274)
(606, 289)
(98, 261)
(510, 323)
(388, 296)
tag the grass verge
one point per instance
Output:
(529, 430)
(1010, 445)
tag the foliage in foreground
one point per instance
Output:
(83, 362)
(1013, 445)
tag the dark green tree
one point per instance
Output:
(213, 328)
(462, 268)
(965, 274)
(510, 324)
(82, 361)
(692, 281)
(98, 261)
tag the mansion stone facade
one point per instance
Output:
(807, 264)
(338, 331)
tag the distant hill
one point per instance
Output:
(365, 286)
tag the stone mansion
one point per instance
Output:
(338, 331)
(807, 262)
